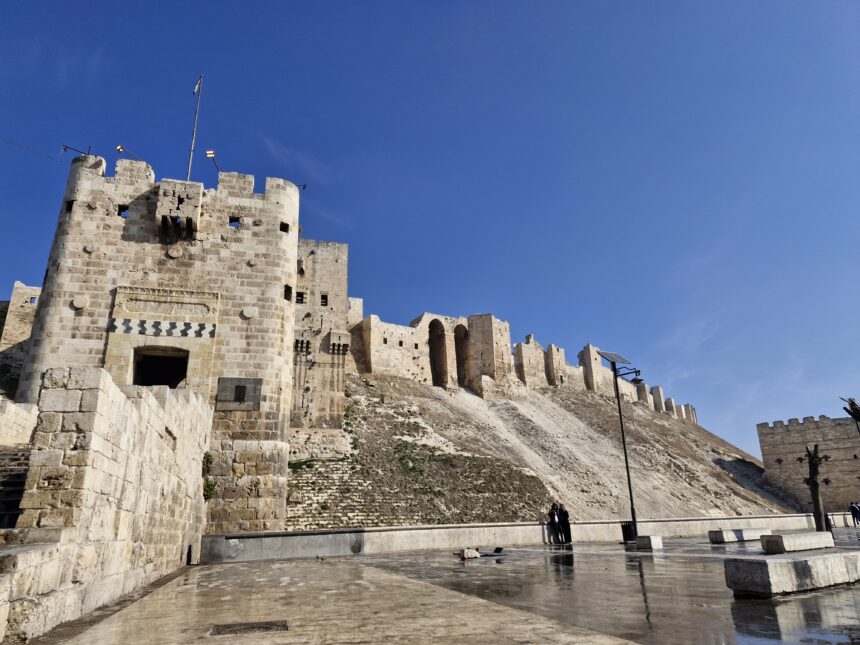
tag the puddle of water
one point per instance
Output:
(654, 599)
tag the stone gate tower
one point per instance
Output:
(168, 283)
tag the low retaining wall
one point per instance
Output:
(308, 544)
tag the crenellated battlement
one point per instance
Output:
(807, 423)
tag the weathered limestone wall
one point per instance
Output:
(475, 353)
(145, 269)
(783, 443)
(114, 495)
(355, 313)
(530, 362)
(395, 350)
(16, 325)
(17, 421)
(322, 338)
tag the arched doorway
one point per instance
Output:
(438, 354)
(461, 349)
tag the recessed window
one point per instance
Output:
(234, 222)
(384, 341)
(416, 345)
(301, 267)
(288, 292)
(239, 393)
(122, 210)
(33, 300)
(160, 366)
(69, 205)
(400, 343)
(324, 299)
(285, 228)
(300, 297)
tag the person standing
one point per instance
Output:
(553, 526)
(855, 512)
(564, 524)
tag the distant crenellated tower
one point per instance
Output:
(168, 283)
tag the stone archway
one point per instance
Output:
(438, 354)
(461, 350)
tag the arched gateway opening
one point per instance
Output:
(438, 354)
(461, 349)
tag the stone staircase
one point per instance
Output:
(14, 462)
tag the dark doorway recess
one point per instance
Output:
(461, 348)
(438, 354)
(160, 366)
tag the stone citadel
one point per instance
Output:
(167, 283)
(178, 326)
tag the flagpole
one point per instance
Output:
(198, 90)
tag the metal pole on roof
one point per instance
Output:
(198, 90)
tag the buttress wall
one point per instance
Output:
(144, 276)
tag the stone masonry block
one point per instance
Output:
(59, 400)
(56, 377)
(87, 378)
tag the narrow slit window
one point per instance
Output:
(288, 292)
(300, 297)
(324, 300)
(33, 300)
(416, 345)
(285, 228)
(384, 341)
(122, 210)
(400, 343)
(234, 222)
(69, 205)
(240, 393)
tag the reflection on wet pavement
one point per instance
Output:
(679, 596)
(594, 593)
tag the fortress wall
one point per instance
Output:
(355, 312)
(395, 350)
(530, 363)
(17, 325)
(783, 443)
(17, 421)
(491, 347)
(114, 493)
(554, 365)
(170, 273)
(322, 340)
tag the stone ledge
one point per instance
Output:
(765, 576)
(776, 544)
(736, 535)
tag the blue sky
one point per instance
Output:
(675, 181)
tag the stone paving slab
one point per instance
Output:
(333, 601)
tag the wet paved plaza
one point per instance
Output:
(590, 594)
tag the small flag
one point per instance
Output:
(197, 86)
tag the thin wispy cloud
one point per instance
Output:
(312, 209)
(76, 65)
(303, 166)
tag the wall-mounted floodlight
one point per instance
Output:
(210, 154)
(123, 150)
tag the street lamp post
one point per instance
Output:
(614, 360)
